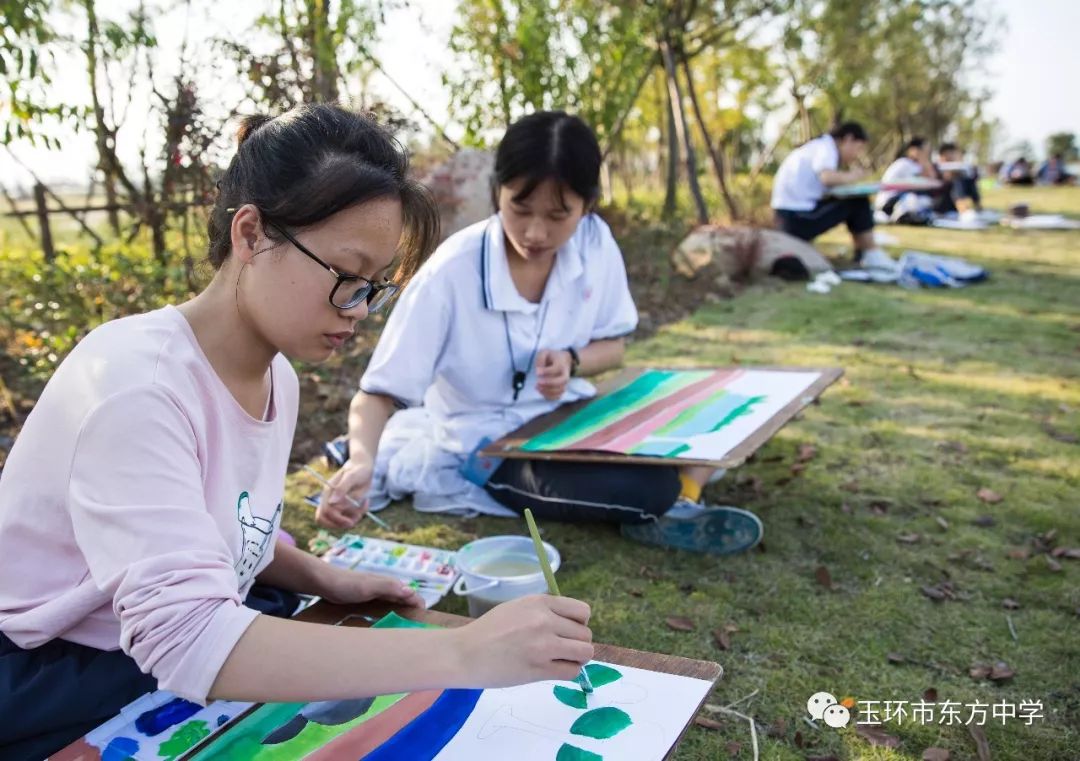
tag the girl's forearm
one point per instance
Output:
(282, 661)
(294, 570)
(601, 355)
(368, 414)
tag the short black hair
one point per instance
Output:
(948, 147)
(311, 162)
(550, 145)
(849, 129)
(915, 142)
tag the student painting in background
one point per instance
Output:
(1018, 173)
(800, 196)
(961, 192)
(908, 206)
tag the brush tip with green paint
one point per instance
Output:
(553, 587)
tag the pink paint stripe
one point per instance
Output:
(599, 441)
(638, 434)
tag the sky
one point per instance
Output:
(1032, 75)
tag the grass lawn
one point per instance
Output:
(946, 393)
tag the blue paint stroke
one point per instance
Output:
(222, 720)
(425, 736)
(157, 720)
(706, 415)
(120, 749)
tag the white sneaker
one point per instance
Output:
(881, 267)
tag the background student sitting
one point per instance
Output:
(1052, 172)
(801, 188)
(961, 192)
(908, 206)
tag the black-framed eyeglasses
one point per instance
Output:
(349, 290)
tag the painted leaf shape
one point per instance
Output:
(599, 674)
(184, 739)
(572, 697)
(573, 753)
(601, 723)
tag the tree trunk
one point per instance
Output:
(102, 133)
(714, 154)
(321, 41)
(672, 142)
(679, 115)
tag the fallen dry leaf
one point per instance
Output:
(979, 671)
(679, 623)
(1001, 672)
(895, 658)
(982, 747)
(936, 754)
(778, 728)
(824, 578)
(989, 496)
(1022, 553)
(722, 639)
(851, 486)
(807, 452)
(879, 508)
(942, 522)
(1073, 553)
(930, 695)
(705, 721)
(636, 593)
(875, 736)
(954, 446)
(941, 591)
(911, 538)
(1010, 604)
(799, 741)
(1053, 565)
(734, 748)
(798, 468)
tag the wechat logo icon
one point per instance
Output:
(823, 706)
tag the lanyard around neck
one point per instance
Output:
(518, 377)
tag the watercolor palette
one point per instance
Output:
(433, 570)
(157, 726)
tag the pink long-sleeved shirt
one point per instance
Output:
(140, 501)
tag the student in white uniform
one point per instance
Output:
(801, 187)
(498, 327)
(908, 206)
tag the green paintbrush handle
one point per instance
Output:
(541, 554)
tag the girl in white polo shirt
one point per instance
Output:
(500, 326)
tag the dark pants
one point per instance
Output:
(830, 212)
(578, 492)
(54, 694)
(962, 186)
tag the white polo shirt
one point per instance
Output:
(903, 168)
(797, 186)
(447, 346)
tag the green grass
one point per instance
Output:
(945, 393)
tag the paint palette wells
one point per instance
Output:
(432, 571)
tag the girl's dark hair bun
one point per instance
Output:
(249, 124)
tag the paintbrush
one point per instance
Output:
(553, 586)
(377, 520)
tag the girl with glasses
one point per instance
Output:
(141, 502)
(500, 326)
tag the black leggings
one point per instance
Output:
(584, 491)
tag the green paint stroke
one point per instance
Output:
(184, 739)
(743, 409)
(598, 414)
(599, 674)
(601, 723)
(571, 697)
(574, 753)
